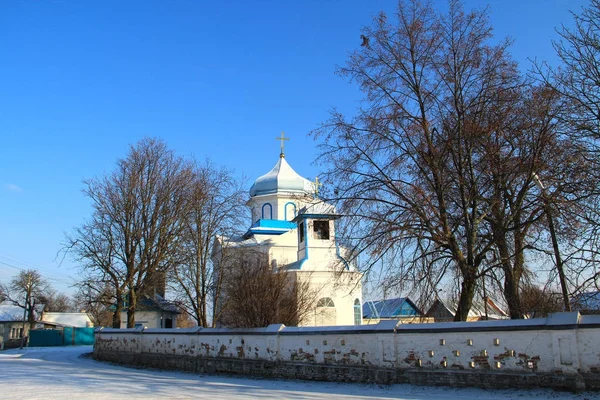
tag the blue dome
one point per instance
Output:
(281, 179)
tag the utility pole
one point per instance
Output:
(27, 307)
(558, 259)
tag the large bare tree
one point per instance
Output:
(138, 217)
(217, 208)
(406, 168)
(577, 79)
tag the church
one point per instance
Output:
(296, 232)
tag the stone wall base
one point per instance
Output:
(354, 373)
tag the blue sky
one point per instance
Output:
(81, 80)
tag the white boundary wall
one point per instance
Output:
(562, 344)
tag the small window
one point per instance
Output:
(267, 211)
(301, 231)
(321, 229)
(357, 312)
(325, 302)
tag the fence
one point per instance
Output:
(68, 336)
(560, 351)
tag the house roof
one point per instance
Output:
(157, 303)
(8, 312)
(586, 301)
(390, 308)
(78, 319)
(12, 313)
(477, 310)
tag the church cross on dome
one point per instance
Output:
(282, 139)
(317, 185)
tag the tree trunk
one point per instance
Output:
(465, 301)
(511, 293)
(116, 317)
(512, 278)
(131, 306)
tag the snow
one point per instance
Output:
(62, 372)
(10, 313)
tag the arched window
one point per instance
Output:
(325, 313)
(325, 302)
(289, 212)
(357, 312)
(267, 211)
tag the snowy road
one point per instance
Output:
(60, 373)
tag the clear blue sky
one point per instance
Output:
(80, 80)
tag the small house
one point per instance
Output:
(440, 311)
(153, 312)
(13, 325)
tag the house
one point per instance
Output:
(443, 312)
(153, 312)
(586, 303)
(294, 231)
(13, 325)
(74, 319)
(401, 308)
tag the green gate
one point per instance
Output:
(69, 336)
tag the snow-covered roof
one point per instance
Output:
(318, 208)
(281, 179)
(77, 319)
(9, 312)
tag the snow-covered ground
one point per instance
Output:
(61, 373)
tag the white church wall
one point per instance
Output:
(562, 346)
(342, 288)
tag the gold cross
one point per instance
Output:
(282, 138)
(317, 185)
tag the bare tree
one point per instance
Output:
(57, 302)
(538, 302)
(217, 207)
(27, 290)
(132, 236)
(577, 79)
(578, 76)
(406, 168)
(98, 301)
(255, 294)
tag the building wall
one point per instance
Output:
(560, 351)
(8, 340)
(342, 288)
(148, 319)
(278, 202)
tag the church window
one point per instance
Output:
(321, 230)
(301, 231)
(325, 302)
(289, 211)
(267, 211)
(357, 312)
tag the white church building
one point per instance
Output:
(297, 232)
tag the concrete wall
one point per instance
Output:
(562, 351)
